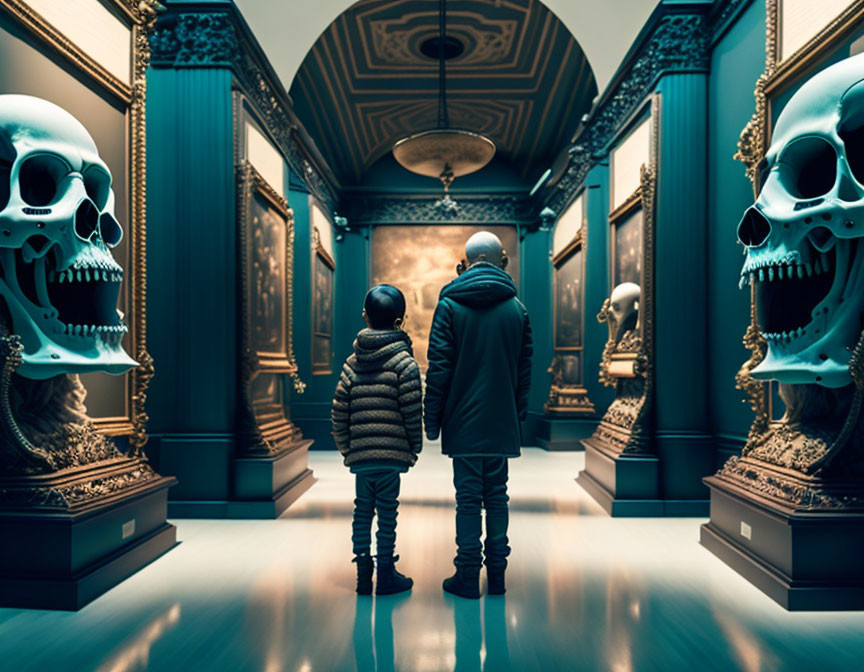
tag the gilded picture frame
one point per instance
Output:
(323, 286)
(139, 18)
(565, 397)
(633, 356)
(266, 249)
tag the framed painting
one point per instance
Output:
(265, 250)
(566, 393)
(323, 269)
(421, 259)
(266, 243)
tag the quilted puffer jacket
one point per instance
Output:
(377, 407)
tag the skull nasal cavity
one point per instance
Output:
(808, 168)
(754, 228)
(86, 220)
(110, 230)
(821, 238)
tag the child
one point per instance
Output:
(377, 426)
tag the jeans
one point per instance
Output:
(376, 491)
(481, 483)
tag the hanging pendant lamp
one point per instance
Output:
(443, 152)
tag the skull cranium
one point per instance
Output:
(58, 280)
(803, 237)
(624, 306)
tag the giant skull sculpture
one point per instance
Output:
(58, 280)
(805, 233)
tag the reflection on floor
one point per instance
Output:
(585, 592)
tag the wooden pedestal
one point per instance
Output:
(563, 432)
(61, 560)
(803, 561)
(262, 487)
(630, 484)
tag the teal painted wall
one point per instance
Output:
(536, 294)
(736, 63)
(191, 259)
(311, 410)
(680, 280)
(596, 282)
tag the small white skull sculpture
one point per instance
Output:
(624, 306)
(804, 235)
(58, 280)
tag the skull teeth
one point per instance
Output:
(109, 333)
(784, 335)
(85, 275)
(784, 270)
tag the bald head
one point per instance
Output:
(484, 246)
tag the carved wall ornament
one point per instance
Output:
(679, 41)
(216, 39)
(492, 210)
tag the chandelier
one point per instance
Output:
(443, 152)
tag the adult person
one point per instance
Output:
(476, 395)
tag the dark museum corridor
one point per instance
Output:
(431, 335)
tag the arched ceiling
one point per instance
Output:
(522, 80)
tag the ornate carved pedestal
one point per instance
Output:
(788, 515)
(271, 470)
(77, 515)
(570, 415)
(271, 466)
(621, 472)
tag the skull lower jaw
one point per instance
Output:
(46, 361)
(801, 369)
(54, 338)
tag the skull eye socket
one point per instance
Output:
(97, 183)
(110, 230)
(7, 158)
(39, 178)
(808, 168)
(853, 141)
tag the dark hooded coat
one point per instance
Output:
(479, 365)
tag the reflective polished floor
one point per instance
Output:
(585, 592)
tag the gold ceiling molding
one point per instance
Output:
(393, 39)
(365, 83)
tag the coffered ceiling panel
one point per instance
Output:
(522, 80)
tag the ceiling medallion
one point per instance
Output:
(443, 152)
